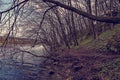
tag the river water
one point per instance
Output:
(11, 59)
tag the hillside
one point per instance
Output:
(89, 61)
(83, 64)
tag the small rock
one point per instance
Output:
(77, 68)
(51, 73)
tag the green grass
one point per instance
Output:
(102, 39)
(107, 34)
(86, 41)
(89, 42)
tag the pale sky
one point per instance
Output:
(5, 4)
(5, 29)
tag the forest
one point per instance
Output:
(59, 39)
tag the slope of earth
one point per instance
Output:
(83, 64)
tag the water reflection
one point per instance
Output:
(15, 62)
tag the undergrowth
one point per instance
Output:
(110, 70)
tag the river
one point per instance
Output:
(13, 59)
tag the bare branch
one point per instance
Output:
(14, 6)
(85, 14)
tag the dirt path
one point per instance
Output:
(82, 64)
(90, 53)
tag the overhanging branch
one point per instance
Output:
(85, 14)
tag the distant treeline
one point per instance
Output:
(16, 40)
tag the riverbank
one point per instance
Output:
(82, 64)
